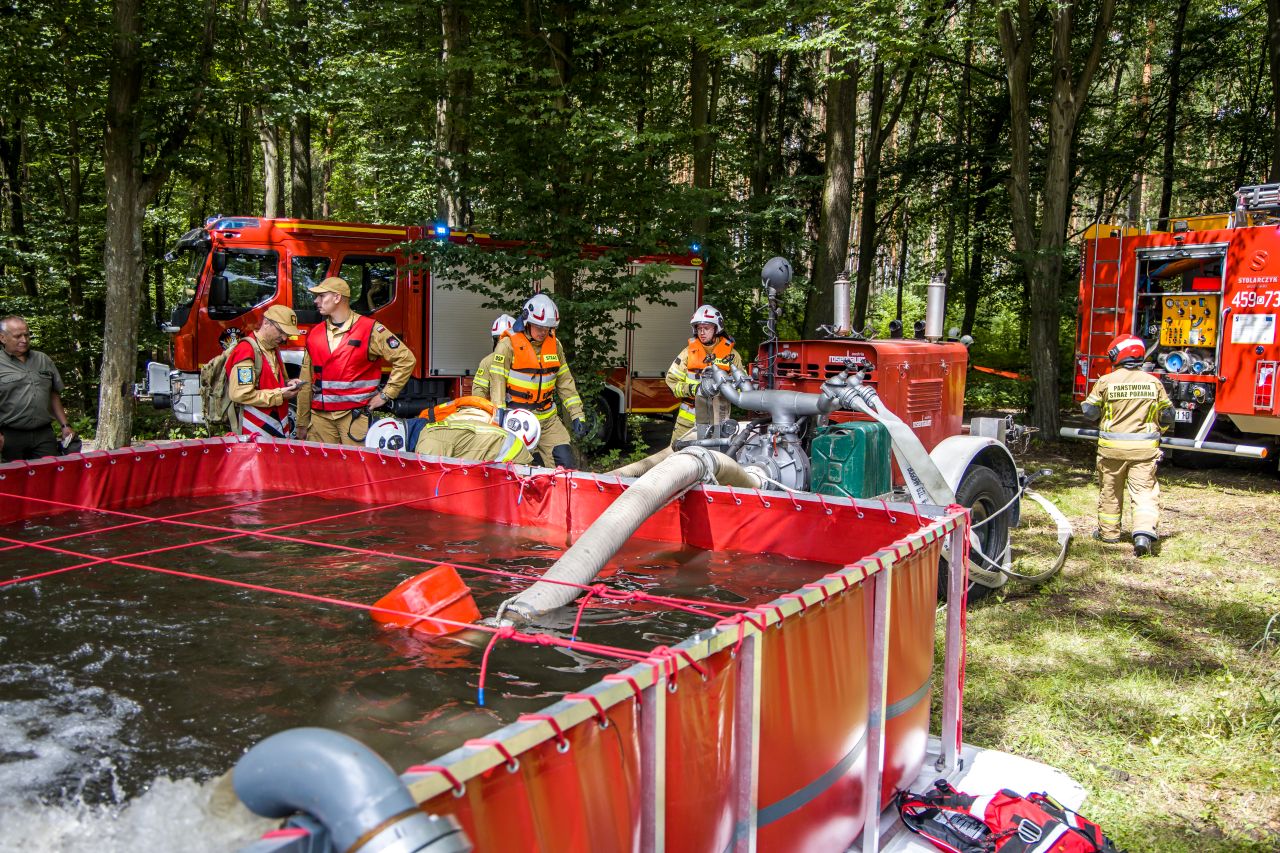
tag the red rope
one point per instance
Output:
(223, 507)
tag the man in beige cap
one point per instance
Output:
(256, 380)
(342, 368)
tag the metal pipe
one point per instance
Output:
(583, 561)
(1218, 448)
(344, 785)
(935, 310)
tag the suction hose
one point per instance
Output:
(672, 476)
(343, 784)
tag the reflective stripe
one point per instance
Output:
(1130, 436)
(511, 449)
(254, 421)
(686, 414)
(573, 401)
(359, 383)
(363, 397)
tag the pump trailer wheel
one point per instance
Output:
(985, 495)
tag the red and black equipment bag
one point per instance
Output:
(1004, 822)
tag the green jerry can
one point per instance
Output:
(851, 460)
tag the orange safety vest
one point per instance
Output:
(531, 379)
(344, 379)
(700, 357)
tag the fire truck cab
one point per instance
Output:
(240, 266)
(1204, 295)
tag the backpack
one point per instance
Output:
(215, 390)
(1005, 822)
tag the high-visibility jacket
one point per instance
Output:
(264, 374)
(1131, 402)
(525, 375)
(345, 378)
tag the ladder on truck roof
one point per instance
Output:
(1102, 321)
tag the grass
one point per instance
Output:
(1155, 683)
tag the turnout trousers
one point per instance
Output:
(1138, 478)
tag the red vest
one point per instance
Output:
(272, 421)
(345, 379)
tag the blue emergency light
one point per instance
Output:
(695, 248)
(442, 231)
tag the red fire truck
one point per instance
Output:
(239, 266)
(1204, 295)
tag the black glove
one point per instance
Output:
(579, 427)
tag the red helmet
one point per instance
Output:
(1126, 348)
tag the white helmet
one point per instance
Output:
(708, 314)
(386, 434)
(521, 423)
(502, 325)
(541, 311)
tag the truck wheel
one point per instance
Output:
(984, 494)
(602, 421)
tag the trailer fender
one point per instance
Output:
(957, 454)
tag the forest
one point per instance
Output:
(966, 138)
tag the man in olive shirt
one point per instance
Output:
(342, 368)
(29, 396)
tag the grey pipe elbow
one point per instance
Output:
(346, 787)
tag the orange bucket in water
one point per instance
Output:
(437, 592)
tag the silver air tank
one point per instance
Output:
(935, 310)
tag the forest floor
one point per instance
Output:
(1155, 683)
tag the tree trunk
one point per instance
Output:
(1040, 245)
(12, 143)
(1171, 111)
(269, 140)
(837, 187)
(300, 163)
(700, 127)
(122, 256)
(326, 164)
(1273, 57)
(452, 137)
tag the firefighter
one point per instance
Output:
(256, 378)
(342, 367)
(500, 328)
(709, 348)
(528, 372)
(467, 428)
(1133, 409)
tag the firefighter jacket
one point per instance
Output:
(342, 366)
(480, 384)
(1132, 403)
(255, 383)
(468, 432)
(529, 375)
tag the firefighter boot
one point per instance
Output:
(1143, 544)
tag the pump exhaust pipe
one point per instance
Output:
(336, 780)
(843, 325)
(935, 309)
(1216, 447)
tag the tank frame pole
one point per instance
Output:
(747, 741)
(957, 581)
(653, 766)
(878, 698)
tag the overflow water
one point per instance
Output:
(126, 694)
